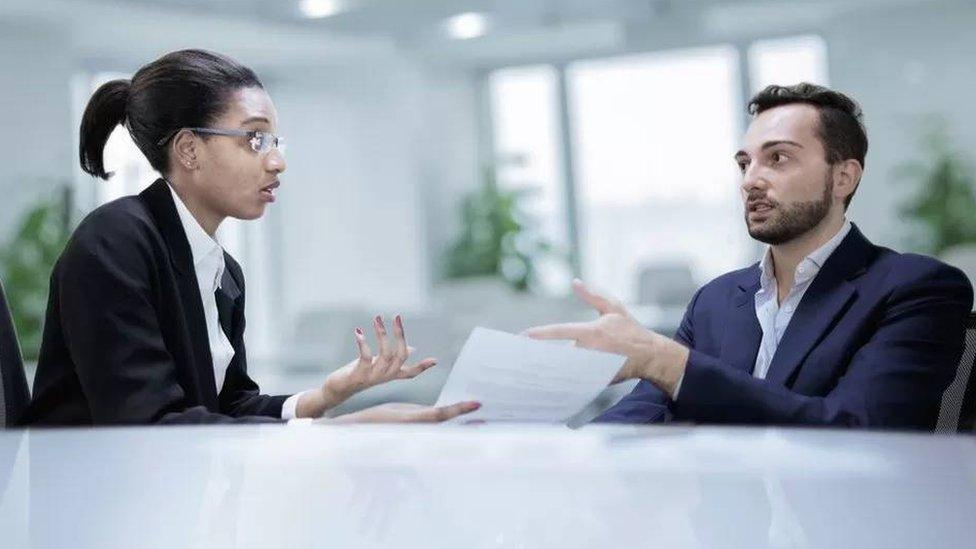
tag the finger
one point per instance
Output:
(444, 413)
(365, 354)
(569, 330)
(603, 305)
(401, 341)
(418, 368)
(380, 329)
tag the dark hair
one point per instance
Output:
(841, 120)
(187, 88)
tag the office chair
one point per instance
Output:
(958, 410)
(14, 395)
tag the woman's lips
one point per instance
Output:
(268, 193)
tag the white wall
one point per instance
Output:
(35, 98)
(900, 65)
(352, 211)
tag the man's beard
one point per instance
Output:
(794, 220)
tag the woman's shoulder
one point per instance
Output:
(119, 229)
(123, 217)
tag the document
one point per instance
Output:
(520, 379)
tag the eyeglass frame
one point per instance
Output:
(277, 143)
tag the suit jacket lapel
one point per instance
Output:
(828, 297)
(160, 202)
(740, 343)
(226, 296)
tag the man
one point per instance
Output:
(828, 329)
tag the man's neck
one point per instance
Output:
(788, 255)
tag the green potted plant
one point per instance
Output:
(497, 238)
(27, 261)
(944, 204)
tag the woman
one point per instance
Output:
(145, 321)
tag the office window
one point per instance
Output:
(653, 136)
(787, 61)
(526, 139)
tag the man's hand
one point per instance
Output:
(650, 356)
(396, 412)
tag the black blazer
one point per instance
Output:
(125, 338)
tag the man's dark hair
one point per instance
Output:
(841, 127)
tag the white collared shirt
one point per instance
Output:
(208, 263)
(774, 317)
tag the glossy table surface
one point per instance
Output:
(484, 486)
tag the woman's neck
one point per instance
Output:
(206, 217)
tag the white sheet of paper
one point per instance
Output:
(520, 379)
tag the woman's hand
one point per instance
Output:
(397, 412)
(366, 371)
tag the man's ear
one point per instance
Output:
(847, 176)
(185, 145)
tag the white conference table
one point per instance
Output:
(484, 486)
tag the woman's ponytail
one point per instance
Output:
(105, 111)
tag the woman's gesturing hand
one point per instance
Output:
(371, 369)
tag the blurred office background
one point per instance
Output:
(459, 161)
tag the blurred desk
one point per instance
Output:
(484, 486)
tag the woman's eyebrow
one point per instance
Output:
(253, 119)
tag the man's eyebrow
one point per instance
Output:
(770, 144)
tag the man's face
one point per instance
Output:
(787, 184)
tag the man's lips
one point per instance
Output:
(759, 206)
(270, 188)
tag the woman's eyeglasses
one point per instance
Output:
(261, 142)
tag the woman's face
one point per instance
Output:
(233, 179)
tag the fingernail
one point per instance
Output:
(359, 332)
(399, 321)
(474, 406)
(378, 320)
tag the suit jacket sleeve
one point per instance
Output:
(106, 291)
(240, 395)
(896, 379)
(646, 403)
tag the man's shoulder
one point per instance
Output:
(898, 269)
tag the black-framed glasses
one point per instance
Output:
(261, 142)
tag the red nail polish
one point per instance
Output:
(378, 319)
(399, 320)
(359, 331)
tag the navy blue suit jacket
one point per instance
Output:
(874, 343)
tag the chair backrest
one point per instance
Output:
(14, 395)
(666, 284)
(958, 410)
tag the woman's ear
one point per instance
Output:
(185, 149)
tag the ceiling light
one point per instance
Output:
(466, 25)
(317, 9)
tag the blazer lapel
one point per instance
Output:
(226, 296)
(740, 343)
(828, 297)
(160, 202)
